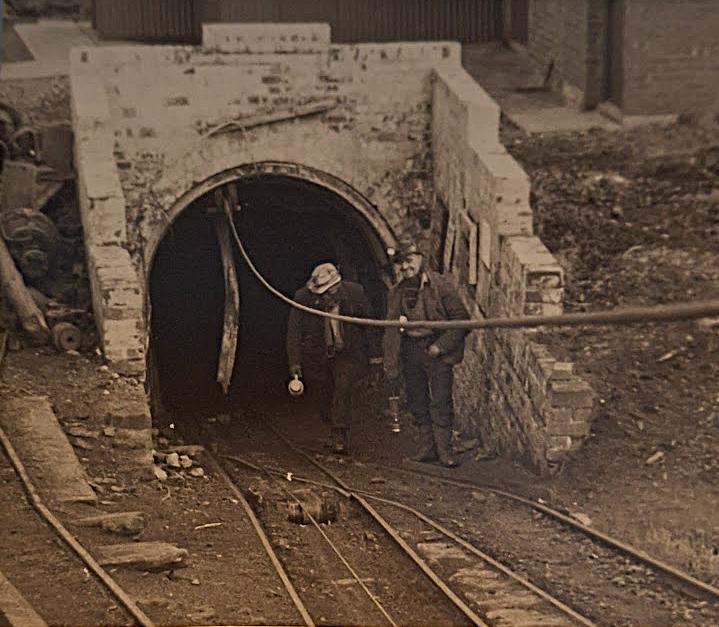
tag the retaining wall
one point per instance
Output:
(407, 137)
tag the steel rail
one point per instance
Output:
(68, 538)
(490, 560)
(355, 495)
(331, 544)
(264, 540)
(628, 315)
(562, 607)
(605, 538)
(431, 575)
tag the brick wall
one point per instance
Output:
(406, 125)
(509, 388)
(375, 139)
(671, 52)
(670, 56)
(558, 33)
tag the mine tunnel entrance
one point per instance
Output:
(288, 226)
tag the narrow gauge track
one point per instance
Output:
(414, 572)
(617, 585)
(47, 565)
(348, 573)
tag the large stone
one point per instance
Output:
(124, 523)
(142, 555)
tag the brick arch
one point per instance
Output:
(381, 229)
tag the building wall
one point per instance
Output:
(670, 53)
(558, 33)
(671, 61)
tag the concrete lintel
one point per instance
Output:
(267, 37)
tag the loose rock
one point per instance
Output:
(142, 555)
(124, 523)
(581, 518)
(82, 432)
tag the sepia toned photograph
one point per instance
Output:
(359, 313)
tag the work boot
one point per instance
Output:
(443, 439)
(426, 449)
(339, 441)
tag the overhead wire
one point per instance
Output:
(627, 315)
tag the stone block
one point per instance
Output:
(121, 304)
(563, 370)
(138, 440)
(568, 428)
(123, 339)
(574, 393)
(123, 523)
(129, 414)
(105, 220)
(142, 555)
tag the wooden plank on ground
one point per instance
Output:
(15, 608)
(43, 448)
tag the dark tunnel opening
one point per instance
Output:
(288, 226)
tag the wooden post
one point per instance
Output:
(230, 326)
(13, 285)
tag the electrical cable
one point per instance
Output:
(628, 315)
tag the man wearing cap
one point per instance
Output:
(329, 355)
(426, 357)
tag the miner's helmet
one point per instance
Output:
(323, 277)
(405, 248)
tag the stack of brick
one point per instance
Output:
(117, 299)
(510, 389)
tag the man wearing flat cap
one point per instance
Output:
(426, 357)
(328, 355)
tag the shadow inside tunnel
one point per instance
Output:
(287, 226)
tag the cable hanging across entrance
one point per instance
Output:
(628, 315)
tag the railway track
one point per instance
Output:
(466, 552)
(52, 579)
(400, 566)
(348, 573)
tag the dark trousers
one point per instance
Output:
(428, 382)
(331, 394)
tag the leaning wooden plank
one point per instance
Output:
(262, 119)
(228, 347)
(14, 287)
(46, 191)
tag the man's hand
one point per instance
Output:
(392, 386)
(434, 350)
(295, 371)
